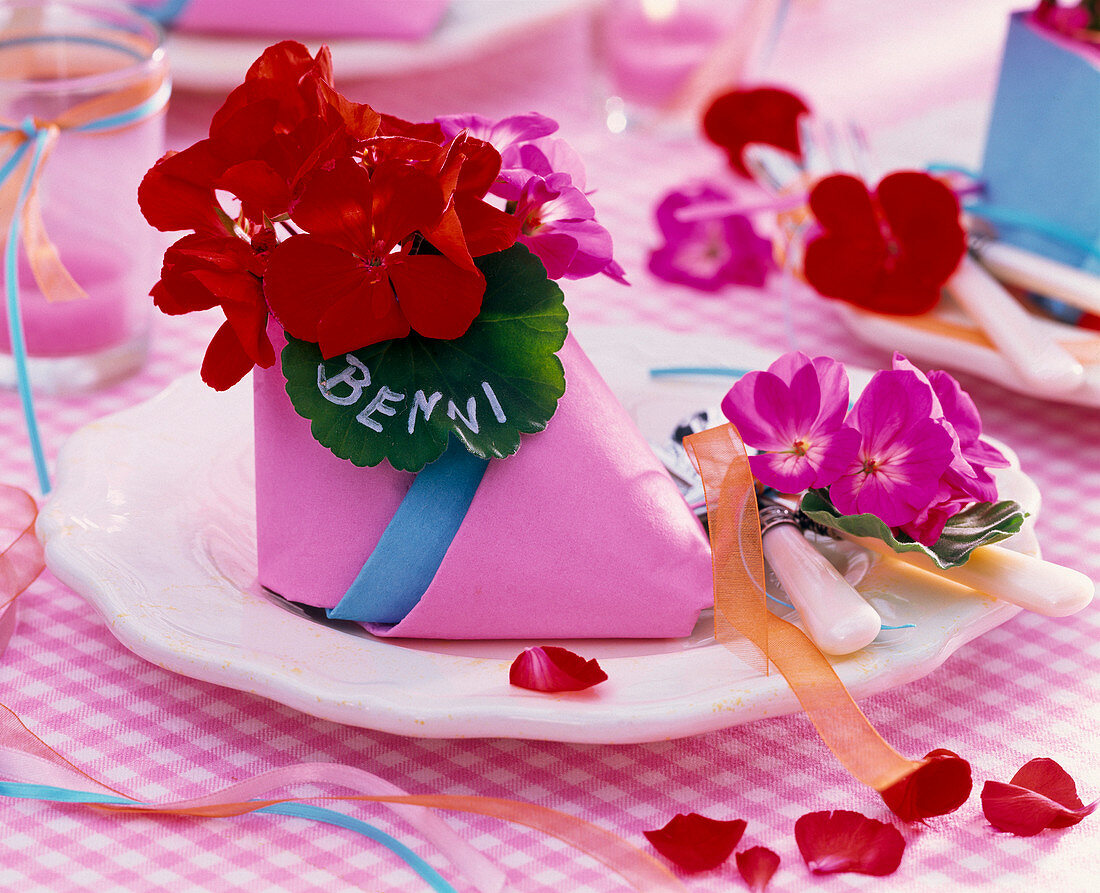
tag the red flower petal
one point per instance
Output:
(842, 204)
(392, 126)
(757, 865)
(847, 841)
(225, 362)
(1041, 795)
(177, 193)
(261, 189)
(923, 214)
(305, 277)
(438, 299)
(766, 115)
(695, 843)
(336, 206)
(360, 318)
(1044, 776)
(941, 785)
(549, 668)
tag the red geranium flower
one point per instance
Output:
(466, 168)
(202, 271)
(766, 115)
(272, 130)
(889, 251)
(343, 286)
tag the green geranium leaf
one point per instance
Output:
(982, 524)
(402, 400)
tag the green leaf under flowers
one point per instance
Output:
(498, 380)
(981, 524)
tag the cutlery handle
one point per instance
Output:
(1039, 274)
(835, 616)
(1040, 361)
(1040, 586)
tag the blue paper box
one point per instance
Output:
(1042, 156)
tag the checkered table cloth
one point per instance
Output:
(1029, 688)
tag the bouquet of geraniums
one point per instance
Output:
(395, 284)
(353, 227)
(905, 464)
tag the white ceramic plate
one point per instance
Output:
(218, 62)
(946, 337)
(153, 522)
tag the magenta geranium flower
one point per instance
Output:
(708, 254)
(977, 455)
(500, 134)
(557, 223)
(795, 413)
(903, 451)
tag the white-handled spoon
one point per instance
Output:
(1038, 274)
(1039, 360)
(835, 615)
(1032, 583)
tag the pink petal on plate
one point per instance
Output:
(549, 668)
(842, 840)
(694, 842)
(757, 865)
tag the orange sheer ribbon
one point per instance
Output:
(54, 281)
(21, 560)
(742, 619)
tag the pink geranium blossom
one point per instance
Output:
(557, 223)
(712, 253)
(903, 453)
(794, 412)
(543, 182)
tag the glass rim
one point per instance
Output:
(114, 15)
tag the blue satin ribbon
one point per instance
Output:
(50, 794)
(165, 12)
(35, 139)
(404, 563)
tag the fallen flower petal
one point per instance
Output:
(756, 866)
(549, 668)
(941, 785)
(842, 840)
(694, 842)
(1041, 795)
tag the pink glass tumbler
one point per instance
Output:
(83, 87)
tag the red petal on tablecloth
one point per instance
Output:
(756, 866)
(549, 668)
(941, 785)
(1041, 795)
(694, 842)
(842, 840)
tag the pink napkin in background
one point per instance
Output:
(581, 534)
(328, 19)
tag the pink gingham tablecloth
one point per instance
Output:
(1029, 688)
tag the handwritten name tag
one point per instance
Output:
(405, 401)
(346, 388)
